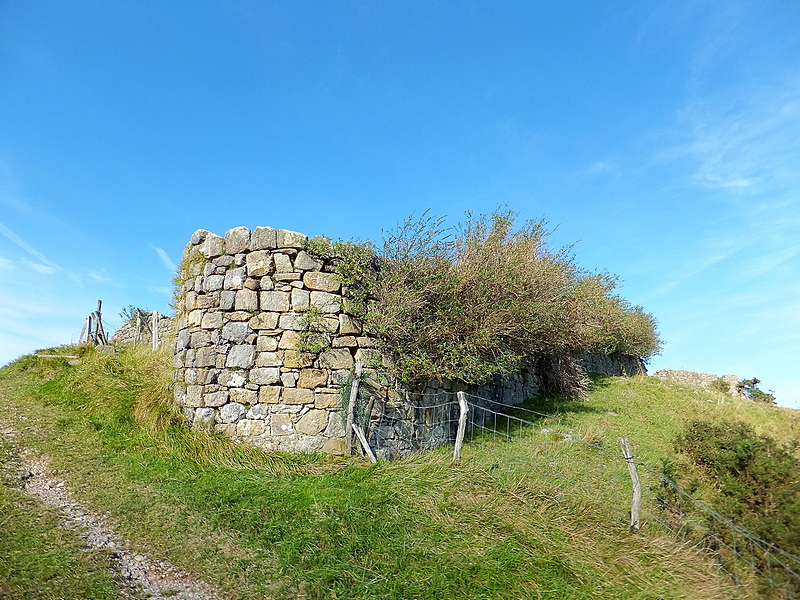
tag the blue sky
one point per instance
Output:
(662, 137)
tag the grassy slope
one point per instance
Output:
(307, 526)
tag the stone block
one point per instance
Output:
(266, 284)
(231, 412)
(200, 339)
(213, 283)
(204, 419)
(305, 262)
(226, 300)
(291, 321)
(312, 378)
(250, 427)
(269, 394)
(275, 301)
(268, 359)
(281, 424)
(347, 341)
(198, 237)
(242, 356)
(297, 396)
(231, 379)
(368, 357)
(223, 261)
(337, 358)
(327, 401)
(367, 342)
(194, 396)
(300, 299)
(289, 379)
(283, 264)
(313, 422)
(334, 428)
(349, 325)
(264, 320)
(236, 332)
(234, 279)
(335, 446)
(204, 302)
(258, 411)
(263, 238)
(195, 318)
(266, 343)
(243, 396)
(215, 398)
(206, 357)
(326, 302)
(211, 320)
(322, 282)
(265, 375)
(182, 339)
(292, 359)
(289, 340)
(291, 239)
(252, 283)
(287, 277)
(259, 264)
(237, 240)
(246, 300)
(213, 245)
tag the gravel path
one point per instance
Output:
(138, 575)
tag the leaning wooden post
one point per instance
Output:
(351, 409)
(154, 327)
(364, 443)
(462, 425)
(636, 501)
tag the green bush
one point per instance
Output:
(749, 388)
(482, 298)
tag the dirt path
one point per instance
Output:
(137, 575)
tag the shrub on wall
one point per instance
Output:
(481, 298)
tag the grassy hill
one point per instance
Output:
(535, 514)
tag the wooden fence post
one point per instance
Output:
(351, 408)
(154, 328)
(462, 425)
(364, 444)
(636, 501)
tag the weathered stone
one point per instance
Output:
(237, 240)
(200, 339)
(205, 302)
(194, 395)
(281, 424)
(231, 412)
(223, 261)
(235, 332)
(215, 398)
(367, 342)
(291, 321)
(326, 302)
(242, 356)
(213, 246)
(300, 299)
(252, 283)
(268, 359)
(234, 279)
(292, 359)
(258, 411)
(289, 340)
(243, 396)
(291, 239)
(206, 357)
(246, 300)
(305, 262)
(347, 341)
(263, 238)
(266, 343)
(249, 428)
(368, 357)
(259, 264)
(204, 419)
(290, 277)
(283, 264)
(227, 299)
(323, 282)
(297, 396)
(269, 394)
(312, 378)
(327, 400)
(198, 237)
(337, 358)
(313, 422)
(335, 425)
(232, 379)
(264, 320)
(275, 301)
(336, 446)
(195, 317)
(182, 339)
(211, 320)
(348, 325)
(266, 284)
(265, 375)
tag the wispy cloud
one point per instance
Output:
(6, 264)
(5, 231)
(43, 269)
(165, 258)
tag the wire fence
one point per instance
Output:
(525, 443)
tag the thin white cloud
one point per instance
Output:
(6, 264)
(5, 231)
(165, 258)
(43, 269)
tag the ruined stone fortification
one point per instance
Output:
(704, 380)
(245, 367)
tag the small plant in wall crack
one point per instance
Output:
(312, 337)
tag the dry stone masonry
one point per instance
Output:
(265, 347)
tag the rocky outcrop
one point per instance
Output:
(704, 380)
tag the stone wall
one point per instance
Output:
(704, 380)
(264, 348)
(127, 333)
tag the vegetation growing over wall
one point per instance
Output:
(482, 298)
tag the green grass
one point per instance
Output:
(287, 526)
